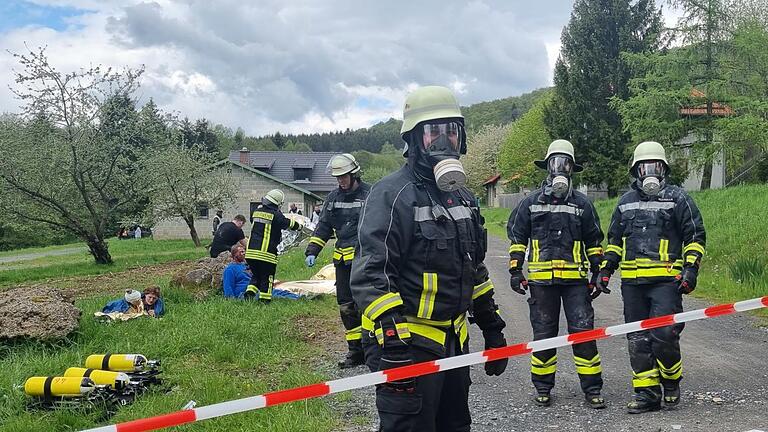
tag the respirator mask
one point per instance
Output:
(650, 177)
(560, 169)
(440, 145)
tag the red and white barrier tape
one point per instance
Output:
(321, 389)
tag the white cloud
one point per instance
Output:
(303, 65)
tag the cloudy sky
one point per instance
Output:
(294, 65)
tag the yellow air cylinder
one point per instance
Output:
(116, 380)
(116, 362)
(58, 386)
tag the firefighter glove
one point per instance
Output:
(495, 339)
(594, 291)
(393, 337)
(310, 260)
(687, 279)
(517, 282)
(603, 278)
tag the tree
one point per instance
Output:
(183, 181)
(590, 72)
(57, 165)
(481, 160)
(526, 141)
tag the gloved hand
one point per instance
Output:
(395, 353)
(310, 260)
(495, 339)
(602, 280)
(687, 279)
(517, 282)
(594, 291)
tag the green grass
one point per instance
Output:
(737, 243)
(25, 251)
(126, 254)
(211, 351)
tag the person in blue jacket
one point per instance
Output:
(136, 302)
(237, 275)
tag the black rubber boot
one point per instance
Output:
(641, 405)
(543, 399)
(671, 394)
(595, 401)
(354, 356)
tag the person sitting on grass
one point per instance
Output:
(237, 275)
(153, 304)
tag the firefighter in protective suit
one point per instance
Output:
(340, 215)
(657, 239)
(564, 232)
(419, 272)
(268, 223)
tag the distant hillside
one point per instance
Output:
(500, 111)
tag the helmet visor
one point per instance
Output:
(441, 137)
(651, 169)
(560, 165)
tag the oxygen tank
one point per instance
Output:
(116, 380)
(58, 386)
(116, 362)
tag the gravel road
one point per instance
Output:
(725, 385)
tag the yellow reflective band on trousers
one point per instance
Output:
(318, 241)
(588, 367)
(539, 367)
(428, 295)
(347, 254)
(535, 251)
(645, 379)
(354, 334)
(382, 304)
(696, 247)
(547, 270)
(481, 289)
(645, 268)
(671, 373)
(267, 295)
(664, 250)
(516, 247)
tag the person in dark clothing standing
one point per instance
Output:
(217, 221)
(657, 239)
(268, 223)
(564, 233)
(418, 272)
(340, 214)
(227, 235)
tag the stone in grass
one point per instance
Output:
(203, 278)
(37, 312)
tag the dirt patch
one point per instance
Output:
(204, 276)
(110, 283)
(38, 312)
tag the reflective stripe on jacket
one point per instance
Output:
(564, 237)
(268, 223)
(340, 215)
(421, 255)
(651, 239)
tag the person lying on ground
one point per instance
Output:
(153, 304)
(130, 303)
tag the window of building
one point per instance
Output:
(202, 211)
(302, 174)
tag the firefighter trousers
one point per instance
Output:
(654, 354)
(263, 275)
(544, 304)
(440, 402)
(350, 314)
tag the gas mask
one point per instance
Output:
(560, 168)
(440, 144)
(650, 177)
